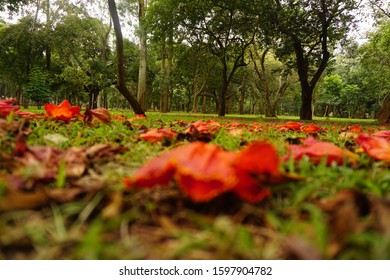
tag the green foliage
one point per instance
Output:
(37, 90)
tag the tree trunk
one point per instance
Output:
(384, 112)
(121, 83)
(306, 112)
(204, 104)
(142, 78)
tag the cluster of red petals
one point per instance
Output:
(311, 129)
(204, 171)
(355, 128)
(316, 151)
(297, 126)
(157, 135)
(64, 111)
(376, 147)
(6, 107)
(140, 116)
(206, 126)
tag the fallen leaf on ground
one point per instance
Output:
(99, 114)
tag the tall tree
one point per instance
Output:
(227, 28)
(121, 82)
(310, 29)
(142, 74)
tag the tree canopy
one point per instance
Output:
(269, 57)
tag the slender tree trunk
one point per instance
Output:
(121, 83)
(241, 103)
(204, 104)
(142, 73)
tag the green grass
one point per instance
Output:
(162, 223)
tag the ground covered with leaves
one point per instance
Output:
(108, 185)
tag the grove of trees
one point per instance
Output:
(279, 57)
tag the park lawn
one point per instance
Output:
(325, 211)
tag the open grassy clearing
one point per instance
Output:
(333, 212)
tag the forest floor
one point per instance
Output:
(63, 196)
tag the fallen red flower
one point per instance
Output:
(311, 129)
(64, 111)
(204, 171)
(140, 116)
(6, 107)
(317, 151)
(295, 126)
(383, 134)
(376, 147)
(206, 127)
(355, 128)
(157, 135)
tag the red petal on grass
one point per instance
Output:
(208, 126)
(158, 171)
(258, 157)
(204, 171)
(6, 107)
(376, 147)
(317, 151)
(64, 111)
(140, 116)
(296, 126)
(355, 128)
(255, 162)
(249, 189)
(312, 129)
(383, 134)
(157, 135)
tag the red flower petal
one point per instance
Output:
(6, 107)
(296, 126)
(63, 111)
(206, 127)
(317, 151)
(376, 147)
(383, 134)
(312, 129)
(158, 171)
(204, 171)
(258, 157)
(355, 128)
(157, 135)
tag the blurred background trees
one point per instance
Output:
(247, 57)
